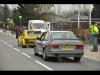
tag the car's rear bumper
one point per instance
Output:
(29, 43)
(65, 54)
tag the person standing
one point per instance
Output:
(94, 31)
(18, 31)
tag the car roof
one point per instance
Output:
(59, 31)
(28, 30)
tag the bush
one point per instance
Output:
(83, 34)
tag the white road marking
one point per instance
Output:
(44, 65)
(5, 43)
(1, 40)
(10, 45)
(17, 49)
(26, 55)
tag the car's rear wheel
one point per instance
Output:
(45, 56)
(35, 52)
(23, 46)
(77, 59)
(18, 42)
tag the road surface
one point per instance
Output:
(13, 57)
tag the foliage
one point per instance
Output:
(28, 12)
(15, 16)
(6, 13)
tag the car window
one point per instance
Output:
(46, 36)
(43, 36)
(63, 35)
(24, 33)
(30, 33)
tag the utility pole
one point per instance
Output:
(78, 16)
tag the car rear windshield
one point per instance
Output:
(63, 36)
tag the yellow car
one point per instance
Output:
(27, 38)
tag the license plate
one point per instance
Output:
(69, 47)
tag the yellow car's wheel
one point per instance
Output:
(23, 43)
(18, 42)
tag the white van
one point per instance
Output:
(37, 25)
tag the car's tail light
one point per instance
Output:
(54, 46)
(79, 46)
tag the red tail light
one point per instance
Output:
(79, 46)
(53, 46)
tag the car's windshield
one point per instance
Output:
(62, 35)
(38, 25)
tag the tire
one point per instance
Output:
(24, 46)
(45, 58)
(18, 42)
(35, 53)
(77, 59)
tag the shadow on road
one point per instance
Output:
(58, 59)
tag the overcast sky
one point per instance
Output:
(62, 6)
(12, 6)
(59, 8)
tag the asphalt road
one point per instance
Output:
(13, 57)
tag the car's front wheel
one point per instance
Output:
(77, 59)
(45, 55)
(35, 52)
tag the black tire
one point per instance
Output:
(32, 46)
(77, 59)
(18, 45)
(35, 53)
(23, 46)
(45, 58)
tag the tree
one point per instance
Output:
(6, 14)
(15, 16)
(28, 12)
(96, 11)
(1, 13)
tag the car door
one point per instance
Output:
(41, 42)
